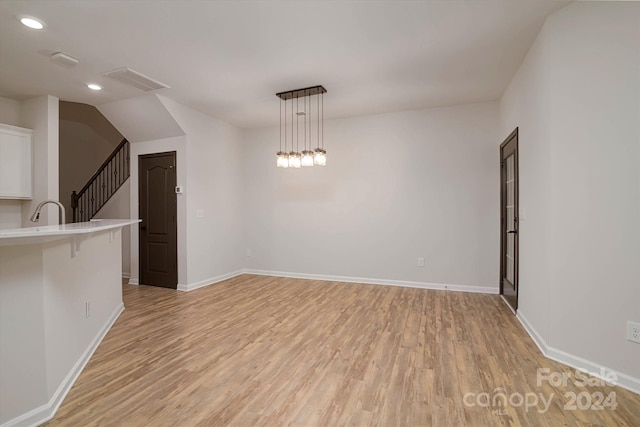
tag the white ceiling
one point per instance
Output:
(229, 58)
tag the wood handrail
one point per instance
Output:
(100, 188)
(104, 165)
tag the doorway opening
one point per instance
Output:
(509, 221)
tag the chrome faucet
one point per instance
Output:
(36, 215)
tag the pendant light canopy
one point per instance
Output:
(300, 128)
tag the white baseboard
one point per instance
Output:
(126, 275)
(623, 380)
(209, 281)
(45, 412)
(347, 279)
(368, 281)
(200, 284)
(533, 333)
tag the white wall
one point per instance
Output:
(215, 186)
(143, 118)
(41, 115)
(119, 207)
(10, 214)
(23, 374)
(9, 111)
(595, 107)
(93, 276)
(577, 101)
(45, 334)
(525, 105)
(396, 187)
(10, 210)
(208, 154)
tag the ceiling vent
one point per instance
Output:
(64, 59)
(135, 79)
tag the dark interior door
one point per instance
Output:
(509, 220)
(158, 229)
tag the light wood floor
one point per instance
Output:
(264, 351)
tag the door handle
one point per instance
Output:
(512, 231)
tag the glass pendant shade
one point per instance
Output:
(320, 157)
(307, 158)
(294, 160)
(282, 160)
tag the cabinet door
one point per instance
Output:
(15, 163)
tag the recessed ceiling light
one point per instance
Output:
(94, 86)
(31, 22)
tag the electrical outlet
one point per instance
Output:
(420, 262)
(633, 332)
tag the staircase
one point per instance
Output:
(102, 185)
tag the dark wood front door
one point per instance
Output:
(158, 229)
(509, 220)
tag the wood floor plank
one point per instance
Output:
(266, 351)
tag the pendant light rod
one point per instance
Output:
(280, 125)
(310, 123)
(292, 150)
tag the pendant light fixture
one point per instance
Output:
(320, 155)
(295, 159)
(282, 156)
(308, 157)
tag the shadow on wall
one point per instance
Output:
(87, 138)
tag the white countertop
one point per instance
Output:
(54, 232)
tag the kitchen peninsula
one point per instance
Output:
(60, 292)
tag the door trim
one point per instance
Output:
(511, 301)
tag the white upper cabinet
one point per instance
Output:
(15, 162)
